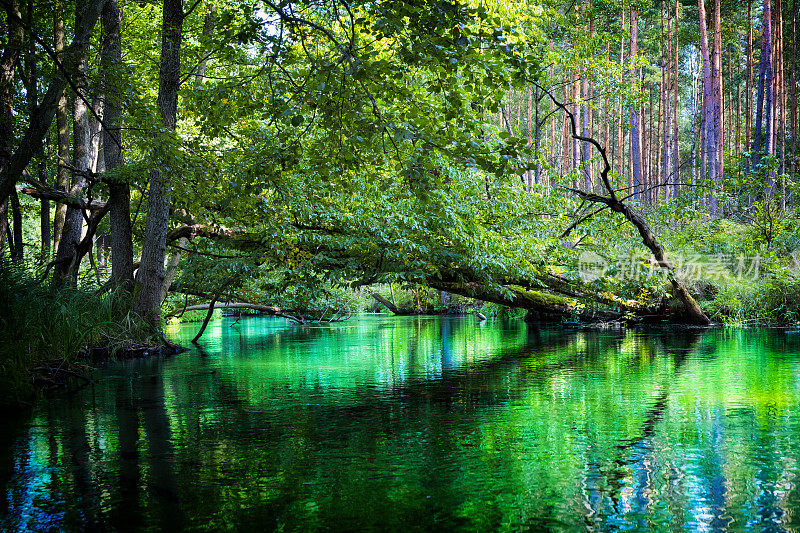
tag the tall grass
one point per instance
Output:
(55, 328)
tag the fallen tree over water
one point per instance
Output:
(691, 313)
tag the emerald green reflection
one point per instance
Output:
(421, 423)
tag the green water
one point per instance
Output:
(385, 423)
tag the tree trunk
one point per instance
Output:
(793, 96)
(266, 309)
(387, 304)
(67, 257)
(676, 155)
(576, 144)
(719, 132)
(620, 133)
(209, 22)
(206, 319)
(8, 62)
(764, 85)
(636, 148)
(586, 150)
(748, 101)
(529, 116)
(695, 104)
(151, 271)
(709, 143)
(780, 103)
(44, 218)
(39, 123)
(119, 191)
(62, 130)
(665, 145)
(16, 244)
(691, 313)
(31, 81)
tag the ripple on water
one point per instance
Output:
(434, 423)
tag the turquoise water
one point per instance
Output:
(420, 423)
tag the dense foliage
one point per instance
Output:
(303, 155)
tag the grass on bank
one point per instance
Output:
(46, 329)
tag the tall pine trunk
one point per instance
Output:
(708, 145)
(676, 155)
(719, 132)
(636, 147)
(764, 85)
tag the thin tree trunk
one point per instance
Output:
(621, 114)
(664, 102)
(32, 89)
(793, 96)
(718, 113)
(208, 30)
(748, 101)
(660, 141)
(119, 191)
(708, 146)
(676, 156)
(636, 147)
(62, 131)
(769, 100)
(607, 109)
(782, 117)
(529, 116)
(764, 84)
(66, 270)
(576, 108)
(695, 122)
(737, 148)
(8, 61)
(44, 217)
(586, 149)
(207, 318)
(16, 245)
(566, 160)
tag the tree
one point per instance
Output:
(151, 271)
(119, 190)
(636, 146)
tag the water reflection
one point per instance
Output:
(421, 423)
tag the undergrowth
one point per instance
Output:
(43, 328)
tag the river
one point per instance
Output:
(420, 423)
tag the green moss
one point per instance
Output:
(543, 299)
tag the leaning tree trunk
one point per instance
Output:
(691, 313)
(40, 121)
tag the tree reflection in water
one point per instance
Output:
(421, 423)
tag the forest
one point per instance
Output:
(590, 162)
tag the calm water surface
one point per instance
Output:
(385, 423)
